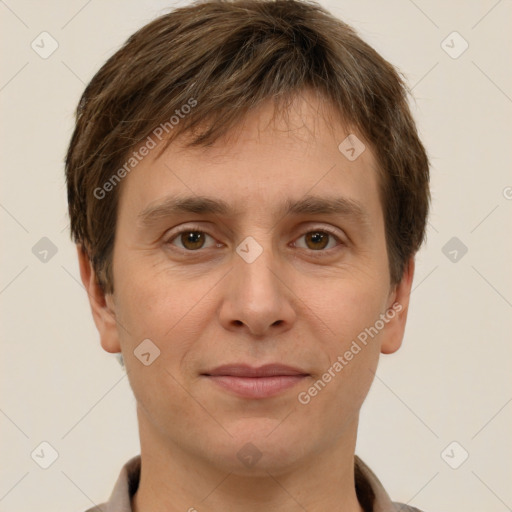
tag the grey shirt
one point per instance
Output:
(370, 492)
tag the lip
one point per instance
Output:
(256, 382)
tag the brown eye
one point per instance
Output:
(318, 240)
(190, 240)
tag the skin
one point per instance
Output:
(203, 306)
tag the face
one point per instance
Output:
(276, 255)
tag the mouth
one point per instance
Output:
(251, 382)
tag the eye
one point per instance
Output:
(319, 239)
(190, 239)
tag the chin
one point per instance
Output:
(260, 446)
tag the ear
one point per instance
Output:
(102, 305)
(398, 306)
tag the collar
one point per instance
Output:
(368, 487)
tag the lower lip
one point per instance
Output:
(257, 387)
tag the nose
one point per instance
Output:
(258, 298)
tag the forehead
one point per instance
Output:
(266, 163)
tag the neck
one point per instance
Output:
(174, 480)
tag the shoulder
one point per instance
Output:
(124, 489)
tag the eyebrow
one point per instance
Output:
(308, 205)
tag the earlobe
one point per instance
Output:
(398, 308)
(102, 305)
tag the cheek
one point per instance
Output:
(349, 306)
(151, 304)
(170, 312)
(350, 310)
(148, 309)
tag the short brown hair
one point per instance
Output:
(229, 56)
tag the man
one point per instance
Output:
(247, 192)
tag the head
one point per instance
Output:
(264, 119)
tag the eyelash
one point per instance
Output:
(315, 253)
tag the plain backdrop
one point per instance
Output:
(451, 380)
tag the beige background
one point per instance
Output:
(449, 382)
